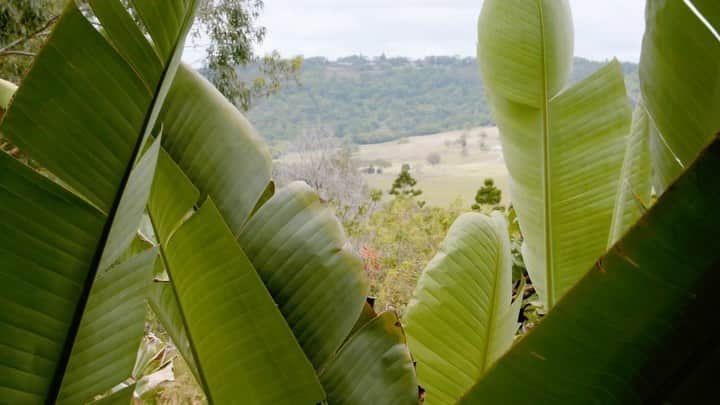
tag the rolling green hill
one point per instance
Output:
(382, 99)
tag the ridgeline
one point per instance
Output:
(383, 99)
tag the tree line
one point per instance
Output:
(371, 100)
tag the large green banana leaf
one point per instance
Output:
(215, 146)
(460, 319)
(111, 328)
(295, 246)
(164, 304)
(374, 366)
(244, 341)
(639, 327)
(679, 67)
(240, 343)
(243, 346)
(298, 248)
(95, 90)
(563, 147)
(83, 113)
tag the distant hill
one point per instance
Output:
(382, 99)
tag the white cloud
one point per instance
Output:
(608, 28)
(417, 28)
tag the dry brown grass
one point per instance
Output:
(456, 175)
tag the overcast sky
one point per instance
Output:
(417, 28)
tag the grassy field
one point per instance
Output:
(457, 175)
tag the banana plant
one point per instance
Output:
(372, 349)
(635, 328)
(72, 312)
(262, 295)
(563, 147)
(296, 269)
(460, 319)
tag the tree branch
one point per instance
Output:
(7, 50)
(19, 53)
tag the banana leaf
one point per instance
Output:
(460, 319)
(638, 328)
(113, 128)
(679, 66)
(564, 147)
(315, 291)
(85, 114)
(634, 196)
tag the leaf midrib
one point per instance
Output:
(151, 115)
(203, 381)
(493, 310)
(544, 107)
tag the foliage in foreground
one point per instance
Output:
(460, 319)
(225, 255)
(255, 287)
(632, 330)
(564, 161)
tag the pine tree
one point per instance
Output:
(404, 184)
(488, 196)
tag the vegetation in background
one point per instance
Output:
(24, 25)
(324, 163)
(455, 175)
(434, 158)
(396, 242)
(532, 309)
(383, 99)
(488, 197)
(234, 35)
(404, 184)
(227, 29)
